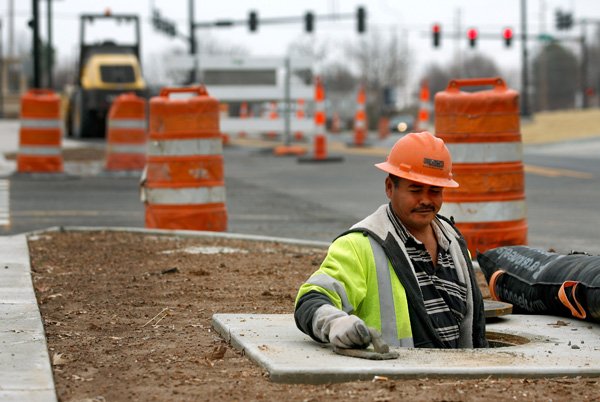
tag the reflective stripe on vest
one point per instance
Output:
(42, 123)
(486, 152)
(126, 149)
(127, 123)
(41, 150)
(387, 310)
(327, 282)
(183, 196)
(205, 146)
(499, 211)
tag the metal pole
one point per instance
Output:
(286, 104)
(36, 44)
(1, 73)
(584, 61)
(49, 50)
(191, 13)
(11, 27)
(524, 74)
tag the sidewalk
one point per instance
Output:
(25, 372)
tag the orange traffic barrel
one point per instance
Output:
(482, 131)
(183, 185)
(40, 133)
(126, 133)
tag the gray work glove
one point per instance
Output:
(340, 329)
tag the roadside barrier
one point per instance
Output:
(482, 132)
(126, 135)
(383, 127)
(423, 116)
(336, 124)
(223, 114)
(183, 185)
(299, 135)
(360, 119)
(273, 115)
(40, 133)
(243, 115)
(319, 153)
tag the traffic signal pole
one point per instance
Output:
(525, 110)
(191, 12)
(36, 43)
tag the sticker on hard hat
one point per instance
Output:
(433, 163)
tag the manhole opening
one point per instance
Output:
(502, 340)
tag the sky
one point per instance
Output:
(410, 21)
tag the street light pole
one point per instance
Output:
(36, 44)
(191, 13)
(49, 49)
(525, 112)
(2, 68)
(584, 62)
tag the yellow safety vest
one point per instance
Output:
(358, 279)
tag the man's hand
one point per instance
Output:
(342, 330)
(349, 332)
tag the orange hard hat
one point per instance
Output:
(420, 157)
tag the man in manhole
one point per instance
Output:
(403, 272)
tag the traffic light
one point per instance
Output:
(472, 35)
(507, 34)
(309, 21)
(361, 20)
(564, 20)
(253, 21)
(436, 30)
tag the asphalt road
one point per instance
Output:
(277, 196)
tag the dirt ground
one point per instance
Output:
(128, 318)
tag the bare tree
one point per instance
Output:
(555, 78)
(476, 66)
(382, 63)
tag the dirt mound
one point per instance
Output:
(128, 317)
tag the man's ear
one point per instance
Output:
(389, 187)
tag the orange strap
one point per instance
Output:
(492, 284)
(578, 312)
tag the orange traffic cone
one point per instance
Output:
(383, 127)
(336, 124)
(320, 138)
(286, 148)
(272, 135)
(243, 115)
(360, 119)
(423, 123)
(299, 135)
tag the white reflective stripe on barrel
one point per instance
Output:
(40, 150)
(182, 196)
(485, 152)
(42, 123)
(126, 149)
(127, 123)
(205, 146)
(497, 211)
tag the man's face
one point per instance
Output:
(414, 203)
